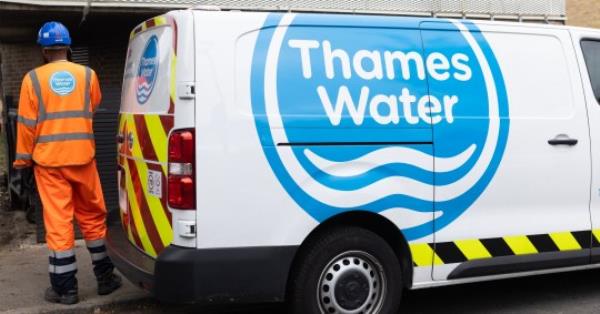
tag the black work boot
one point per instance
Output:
(103, 267)
(109, 283)
(63, 268)
(69, 297)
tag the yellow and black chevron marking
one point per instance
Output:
(428, 254)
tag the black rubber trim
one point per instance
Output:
(595, 255)
(229, 275)
(520, 263)
(135, 265)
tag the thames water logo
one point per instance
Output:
(147, 71)
(407, 122)
(62, 83)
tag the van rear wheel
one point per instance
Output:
(346, 271)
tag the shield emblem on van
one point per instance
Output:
(147, 71)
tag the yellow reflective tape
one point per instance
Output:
(136, 215)
(596, 234)
(173, 82)
(159, 217)
(158, 137)
(473, 249)
(423, 255)
(130, 235)
(136, 151)
(520, 245)
(565, 241)
(156, 209)
(160, 20)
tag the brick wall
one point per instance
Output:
(17, 60)
(583, 13)
(106, 58)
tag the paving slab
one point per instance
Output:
(24, 278)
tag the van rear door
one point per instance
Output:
(145, 120)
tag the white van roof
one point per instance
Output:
(513, 10)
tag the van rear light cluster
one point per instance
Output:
(182, 192)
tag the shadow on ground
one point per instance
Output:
(576, 292)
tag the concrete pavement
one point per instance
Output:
(24, 278)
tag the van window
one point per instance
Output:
(591, 53)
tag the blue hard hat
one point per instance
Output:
(54, 34)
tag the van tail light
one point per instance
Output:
(181, 185)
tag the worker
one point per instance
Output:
(55, 137)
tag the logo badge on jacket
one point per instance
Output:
(351, 125)
(147, 71)
(62, 83)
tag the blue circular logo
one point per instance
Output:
(147, 71)
(381, 123)
(62, 83)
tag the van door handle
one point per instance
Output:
(563, 139)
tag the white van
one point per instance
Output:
(333, 160)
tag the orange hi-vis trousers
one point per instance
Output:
(67, 192)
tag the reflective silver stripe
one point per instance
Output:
(94, 243)
(62, 254)
(23, 156)
(88, 80)
(98, 256)
(38, 93)
(67, 114)
(64, 137)
(27, 122)
(62, 269)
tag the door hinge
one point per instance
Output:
(186, 90)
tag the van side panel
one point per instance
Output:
(536, 209)
(240, 203)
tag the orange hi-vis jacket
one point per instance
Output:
(56, 107)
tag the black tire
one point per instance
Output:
(323, 264)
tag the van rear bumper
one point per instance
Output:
(186, 275)
(133, 264)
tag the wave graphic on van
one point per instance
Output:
(143, 91)
(388, 156)
(346, 127)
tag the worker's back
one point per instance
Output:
(63, 118)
